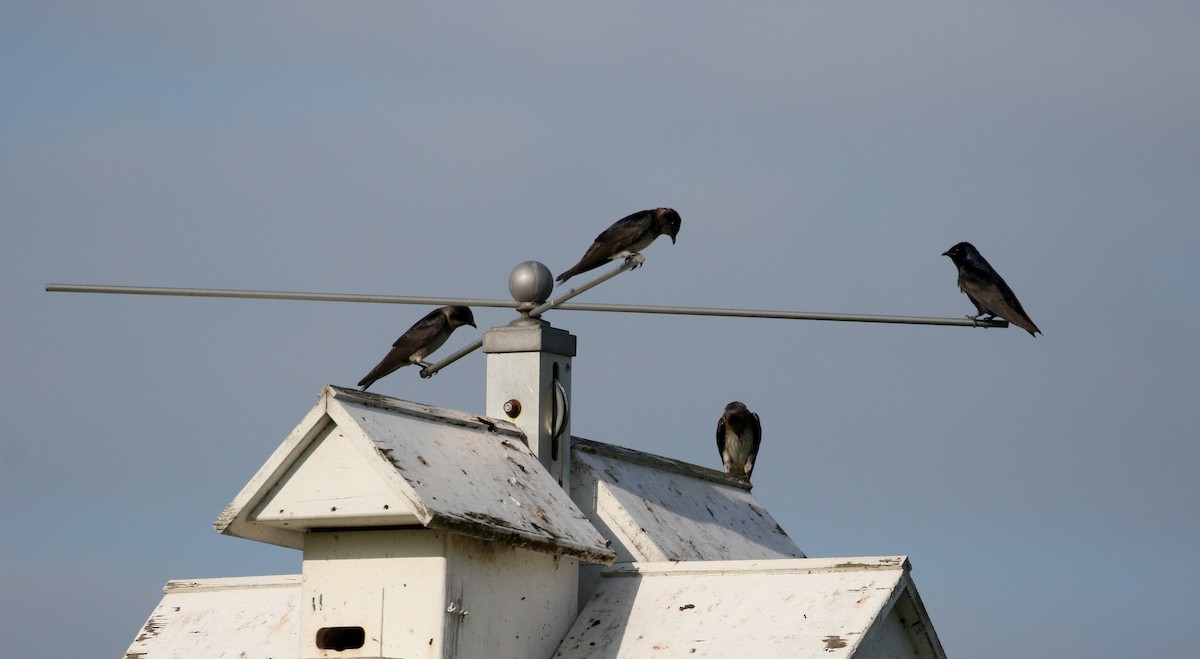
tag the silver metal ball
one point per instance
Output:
(530, 282)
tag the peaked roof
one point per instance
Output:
(231, 617)
(363, 460)
(659, 509)
(788, 608)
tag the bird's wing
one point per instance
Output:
(613, 240)
(1001, 300)
(627, 230)
(997, 298)
(422, 331)
(417, 336)
(986, 295)
(391, 361)
(721, 437)
(757, 427)
(1010, 299)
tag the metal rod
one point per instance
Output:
(630, 263)
(788, 315)
(463, 352)
(561, 306)
(277, 295)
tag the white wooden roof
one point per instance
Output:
(362, 460)
(705, 570)
(795, 608)
(223, 619)
(658, 509)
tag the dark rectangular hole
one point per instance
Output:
(341, 638)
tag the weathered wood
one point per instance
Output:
(658, 509)
(365, 460)
(223, 618)
(785, 609)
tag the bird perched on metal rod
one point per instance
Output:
(739, 434)
(626, 237)
(427, 335)
(986, 288)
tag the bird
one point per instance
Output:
(739, 434)
(986, 289)
(626, 237)
(424, 337)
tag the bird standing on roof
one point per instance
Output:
(986, 288)
(626, 237)
(427, 335)
(739, 434)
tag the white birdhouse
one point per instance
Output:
(413, 521)
(430, 532)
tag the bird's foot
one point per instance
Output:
(425, 370)
(636, 259)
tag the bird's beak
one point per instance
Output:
(672, 240)
(946, 253)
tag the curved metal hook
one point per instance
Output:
(560, 404)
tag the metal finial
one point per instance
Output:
(530, 282)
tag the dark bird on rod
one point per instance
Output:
(739, 434)
(626, 237)
(427, 335)
(987, 289)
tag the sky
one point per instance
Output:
(822, 157)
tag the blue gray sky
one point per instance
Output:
(822, 157)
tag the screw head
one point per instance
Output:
(530, 281)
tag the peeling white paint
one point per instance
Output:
(785, 609)
(360, 460)
(657, 509)
(437, 533)
(223, 618)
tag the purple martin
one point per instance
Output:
(987, 289)
(739, 435)
(626, 237)
(427, 335)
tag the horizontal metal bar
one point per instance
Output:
(787, 315)
(566, 306)
(277, 295)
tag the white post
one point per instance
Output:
(529, 373)
(529, 382)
